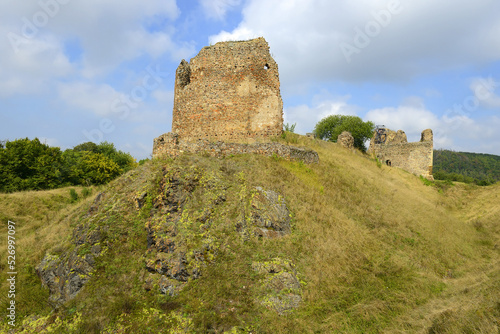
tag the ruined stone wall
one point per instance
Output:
(416, 158)
(229, 92)
(171, 145)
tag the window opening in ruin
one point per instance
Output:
(266, 67)
(388, 163)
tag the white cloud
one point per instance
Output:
(89, 97)
(217, 9)
(483, 90)
(164, 97)
(411, 117)
(35, 63)
(108, 32)
(306, 117)
(426, 36)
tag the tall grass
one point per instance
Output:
(376, 250)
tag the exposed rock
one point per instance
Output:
(140, 199)
(346, 139)
(67, 273)
(269, 216)
(280, 285)
(167, 236)
(95, 205)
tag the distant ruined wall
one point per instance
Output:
(229, 91)
(395, 151)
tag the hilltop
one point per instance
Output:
(256, 244)
(482, 169)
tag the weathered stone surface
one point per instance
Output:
(225, 98)
(229, 91)
(171, 145)
(67, 273)
(95, 205)
(427, 135)
(280, 285)
(167, 255)
(393, 150)
(269, 216)
(346, 140)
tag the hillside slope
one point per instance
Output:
(483, 169)
(371, 249)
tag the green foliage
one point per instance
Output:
(124, 160)
(28, 164)
(31, 165)
(97, 168)
(481, 169)
(329, 128)
(73, 195)
(86, 192)
(289, 127)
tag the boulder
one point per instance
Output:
(346, 140)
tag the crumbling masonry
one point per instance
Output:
(227, 101)
(393, 149)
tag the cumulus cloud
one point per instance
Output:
(108, 33)
(217, 9)
(306, 117)
(400, 41)
(483, 90)
(411, 117)
(31, 65)
(89, 97)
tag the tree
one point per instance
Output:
(329, 128)
(124, 160)
(96, 168)
(29, 165)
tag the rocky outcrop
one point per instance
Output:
(172, 226)
(269, 216)
(280, 285)
(346, 140)
(65, 274)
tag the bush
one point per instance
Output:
(329, 128)
(73, 195)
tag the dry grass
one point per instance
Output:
(43, 221)
(377, 250)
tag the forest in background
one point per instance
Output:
(479, 168)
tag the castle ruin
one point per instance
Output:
(227, 100)
(229, 91)
(393, 149)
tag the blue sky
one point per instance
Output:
(73, 71)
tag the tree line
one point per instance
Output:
(27, 164)
(478, 168)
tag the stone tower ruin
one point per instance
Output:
(229, 91)
(227, 101)
(392, 148)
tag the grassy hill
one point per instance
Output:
(482, 169)
(374, 250)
